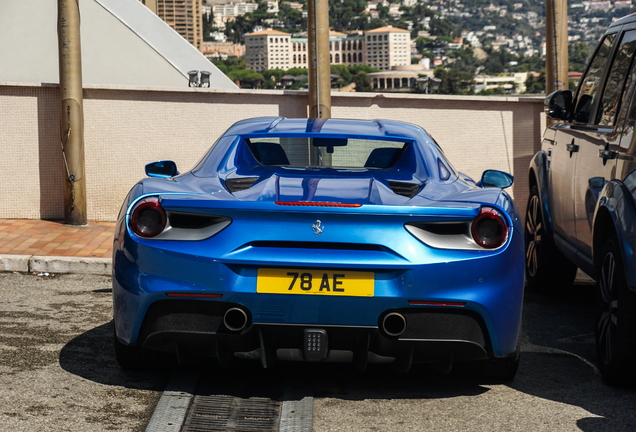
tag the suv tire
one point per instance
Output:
(615, 319)
(547, 270)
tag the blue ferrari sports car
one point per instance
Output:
(320, 240)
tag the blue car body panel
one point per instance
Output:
(370, 235)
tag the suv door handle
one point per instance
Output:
(572, 148)
(607, 154)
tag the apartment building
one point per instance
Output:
(268, 49)
(381, 48)
(343, 49)
(227, 12)
(184, 16)
(388, 46)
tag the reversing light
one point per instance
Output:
(148, 218)
(489, 228)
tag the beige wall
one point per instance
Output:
(125, 128)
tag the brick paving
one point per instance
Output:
(53, 238)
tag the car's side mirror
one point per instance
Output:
(558, 105)
(162, 169)
(494, 178)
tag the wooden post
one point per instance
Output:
(319, 66)
(71, 111)
(556, 40)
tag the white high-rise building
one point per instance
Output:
(268, 49)
(388, 46)
(381, 48)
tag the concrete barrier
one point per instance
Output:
(127, 127)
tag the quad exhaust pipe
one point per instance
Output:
(235, 319)
(394, 324)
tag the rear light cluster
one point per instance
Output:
(148, 218)
(489, 229)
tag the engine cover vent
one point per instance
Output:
(404, 188)
(240, 184)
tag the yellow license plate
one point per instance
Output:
(322, 282)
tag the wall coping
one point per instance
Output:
(334, 94)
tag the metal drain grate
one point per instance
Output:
(230, 413)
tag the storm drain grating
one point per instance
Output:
(230, 413)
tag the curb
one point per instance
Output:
(55, 264)
(172, 408)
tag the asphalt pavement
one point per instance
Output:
(57, 366)
(58, 371)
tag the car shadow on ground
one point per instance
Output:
(558, 360)
(91, 356)
(557, 364)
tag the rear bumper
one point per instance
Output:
(488, 284)
(193, 326)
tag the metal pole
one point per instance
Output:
(319, 67)
(71, 111)
(556, 38)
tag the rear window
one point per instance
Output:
(326, 152)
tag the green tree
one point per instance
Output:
(292, 18)
(441, 27)
(362, 68)
(207, 26)
(297, 71)
(363, 82)
(343, 71)
(246, 76)
(272, 77)
(454, 81)
(230, 64)
(299, 84)
(535, 85)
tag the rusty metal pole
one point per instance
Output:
(71, 111)
(556, 38)
(319, 67)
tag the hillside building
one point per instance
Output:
(381, 48)
(184, 16)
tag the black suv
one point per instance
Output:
(581, 211)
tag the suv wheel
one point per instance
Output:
(547, 270)
(615, 319)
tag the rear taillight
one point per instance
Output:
(489, 229)
(148, 218)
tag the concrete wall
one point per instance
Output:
(127, 127)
